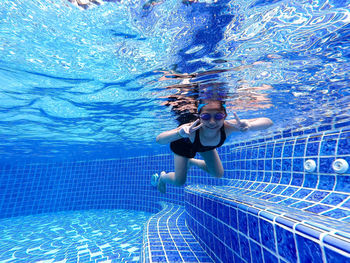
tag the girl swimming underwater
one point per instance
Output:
(203, 136)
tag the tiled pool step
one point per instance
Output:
(234, 227)
(168, 239)
(331, 204)
(286, 206)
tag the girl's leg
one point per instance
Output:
(211, 163)
(178, 177)
(199, 163)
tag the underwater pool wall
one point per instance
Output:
(264, 192)
(270, 207)
(32, 188)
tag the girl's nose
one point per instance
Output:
(212, 120)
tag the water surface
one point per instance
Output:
(100, 83)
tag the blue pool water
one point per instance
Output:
(84, 93)
(96, 83)
(73, 236)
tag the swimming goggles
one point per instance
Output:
(217, 116)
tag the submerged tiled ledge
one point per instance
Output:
(332, 205)
(168, 239)
(234, 226)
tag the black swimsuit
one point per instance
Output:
(186, 148)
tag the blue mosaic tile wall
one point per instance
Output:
(31, 188)
(258, 172)
(280, 159)
(232, 230)
(269, 208)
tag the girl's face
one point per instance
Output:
(212, 115)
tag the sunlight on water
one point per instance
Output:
(99, 82)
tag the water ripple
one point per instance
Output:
(115, 75)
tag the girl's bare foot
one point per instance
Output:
(161, 185)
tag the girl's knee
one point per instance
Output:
(180, 181)
(218, 174)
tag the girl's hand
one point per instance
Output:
(240, 125)
(187, 129)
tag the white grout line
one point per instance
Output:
(160, 237)
(170, 234)
(189, 233)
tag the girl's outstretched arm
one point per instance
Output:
(168, 136)
(259, 123)
(248, 124)
(184, 131)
